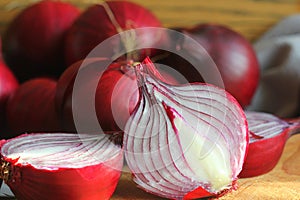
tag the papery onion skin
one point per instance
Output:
(265, 152)
(152, 138)
(33, 41)
(94, 26)
(31, 108)
(92, 182)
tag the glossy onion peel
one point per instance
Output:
(69, 166)
(184, 138)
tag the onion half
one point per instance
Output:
(68, 166)
(185, 138)
(268, 135)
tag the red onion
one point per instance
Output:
(33, 42)
(64, 89)
(232, 53)
(8, 84)
(31, 108)
(116, 95)
(101, 21)
(185, 138)
(59, 165)
(268, 135)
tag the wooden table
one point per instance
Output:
(249, 17)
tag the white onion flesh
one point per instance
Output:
(264, 125)
(183, 137)
(60, 150)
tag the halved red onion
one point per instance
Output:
(182, 138)
(264, 125)
(268, 135)
(64, 165)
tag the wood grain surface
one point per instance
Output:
(249, 17)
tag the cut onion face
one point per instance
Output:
(264, 126)
(182, 138)
(267, 137)
(69, 166)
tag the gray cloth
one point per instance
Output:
(278, 52)
(5, 191)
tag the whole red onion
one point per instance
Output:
(31, 108)
(63, 96)
(233, 55)
(8, 84)
(116, 94)
(101, 21)
(33, 42)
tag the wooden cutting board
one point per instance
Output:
(282, 183)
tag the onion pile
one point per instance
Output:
(268, 135)
(68, 166)
(180, 141)
(185, 138)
